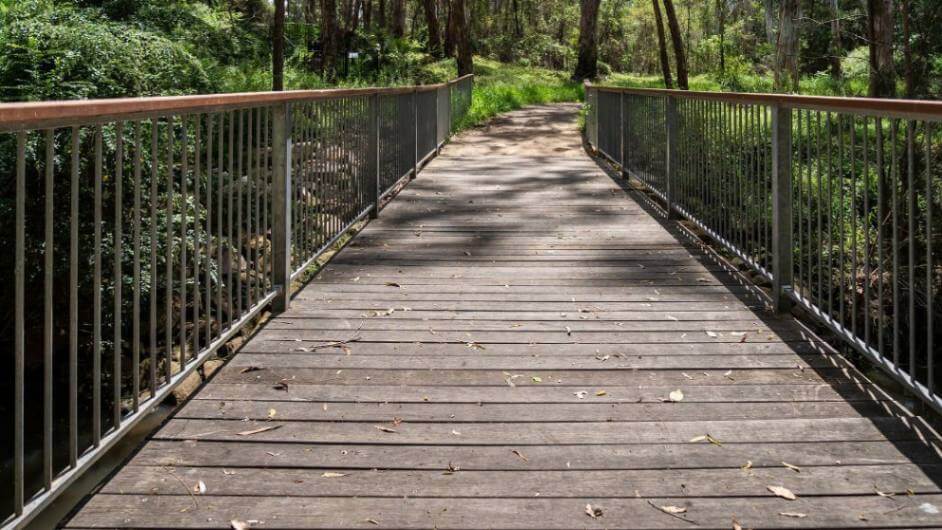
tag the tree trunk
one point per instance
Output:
(451, 39)
(381, 15)
(399, 18)
(680, 55)
(434, 33)
(278, 47)
(330, 41)
(786, 49)
(721, 22)
(908, 75)
(368, 15)
(588, 65)
(462, 37)
(882, 72)
(837, 50)
(662, 45)
(771, 24)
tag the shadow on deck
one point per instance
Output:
(518, 343)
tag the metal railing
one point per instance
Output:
(832, 201)
(141, 235)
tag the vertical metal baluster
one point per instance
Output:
(19, 329)
(930, 314)
(812, 140)
(911, 230)
(842, 232)
(48, 251)
(867, 229)
(854, 265)
(240, 156)
(229, 244)
(818, 244)
(894, 211)
(829, 214)
(266, 262)
(96, 298)
(197, 246)
(136, 280)
(206, 255)
(249, 203)
(73, 296)
(880, 207)
(168, 290)
(184, 232)
(220, 171)
(257, 217)
(118, 276)
(797, 175)
(154, 131)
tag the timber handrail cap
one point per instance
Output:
(901, 107)
(68, 112)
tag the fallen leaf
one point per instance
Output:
(537, 379)
(393, 284)
(259, 430)
(475, 345)
(676, 396)
(568, 331)
(706, 438)
(199, 488)
(736, 525)
(372, 521)
(520, 455)
(236, 524)
(580, 394)
(673, 509)
(594, 513)
(712, 334)
(601, 393)
(331, 474)
(456, 433)
(746, 466)
(784, 493)
(384, 429)
(796, 515)
(796, 469)
(248, 369)
(272, 413)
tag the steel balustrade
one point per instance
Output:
(144, 234)
(831, 202)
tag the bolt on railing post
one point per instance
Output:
(374, 193)
(281, 205)
(781, 207)
(671, 155)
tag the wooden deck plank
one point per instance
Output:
(499, 350)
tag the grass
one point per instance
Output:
(500, 87)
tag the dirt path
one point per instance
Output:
(512, 134)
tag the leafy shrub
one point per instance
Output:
(59, 52)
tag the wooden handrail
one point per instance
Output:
(902, 108)
(35, 115)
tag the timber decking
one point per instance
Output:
(498, 351)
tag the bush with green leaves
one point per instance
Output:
(50, 51)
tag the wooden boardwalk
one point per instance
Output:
(500, 350)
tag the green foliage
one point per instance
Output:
(52, 51)
(501, 88)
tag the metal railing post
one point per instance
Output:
(671, 162)
(374, 193)
(781, 207)
(281, 205)
(415, 132)
(623, 140)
